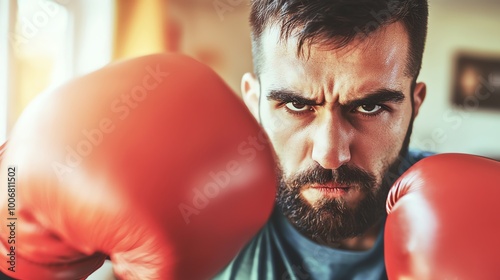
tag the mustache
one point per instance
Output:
(345, 175)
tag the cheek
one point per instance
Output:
(379, 145)
(286, 137)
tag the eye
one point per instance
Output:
(369, 109)
(297, 107)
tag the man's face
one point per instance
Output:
(338, 121)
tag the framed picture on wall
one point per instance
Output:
(476, 83)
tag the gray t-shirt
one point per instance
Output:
(279, 251)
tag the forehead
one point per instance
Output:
(367, 63)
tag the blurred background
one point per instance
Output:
(46, 42)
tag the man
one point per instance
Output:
(335, 89)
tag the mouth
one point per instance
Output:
(331, 190)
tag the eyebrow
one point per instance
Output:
(286, 96)
(378, 96)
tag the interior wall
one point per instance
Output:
(139, 28)
(216, 33)
(471, 26)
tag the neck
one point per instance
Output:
(363, 242)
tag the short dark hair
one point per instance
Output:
(338, 22)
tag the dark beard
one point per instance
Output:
(331, 221)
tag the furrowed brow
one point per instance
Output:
(286, 96)
(378, 97)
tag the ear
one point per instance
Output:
(418, 97)
(250, 89)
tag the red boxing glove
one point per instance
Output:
(443, 220)
(152, 161)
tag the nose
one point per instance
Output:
(331, 143)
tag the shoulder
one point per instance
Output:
(412, 157)
(252, 262)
